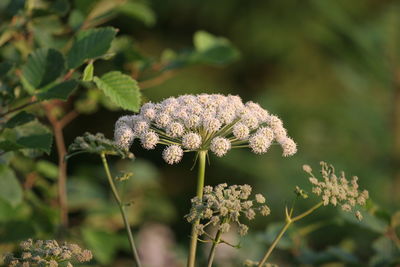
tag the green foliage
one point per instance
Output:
(60, 91)
(88, 72)
(43, 67)
(19, 119)
(90, 44)
(121, 89)
(10, 189)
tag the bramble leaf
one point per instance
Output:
(59, 91)
(121, 89)
(43, 67)
(92, 43)
(19, 119)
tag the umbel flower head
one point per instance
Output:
(223, 206)
(48, 253)
(337, 191)
(203, 122)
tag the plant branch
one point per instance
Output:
(122, 210)
(289, 221)
(31, 102)
(200, 186)
(62, 164)
(213, 248)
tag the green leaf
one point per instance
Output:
(5, 68)
(88, 73)
(102, 244)
(60, 7)
(47, 168)
(43, 67)
(121, 89)
(31, 135)
(90, 44)
(211, 49)
(139, 11)
(10, 189)
(59, 91)
(19, 119)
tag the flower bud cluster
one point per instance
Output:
(48, 253)
(337, 191)
(97, 144)
(203, 122)
(223, 206)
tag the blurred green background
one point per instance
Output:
(329, 69)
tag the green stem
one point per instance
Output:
(289, 221)
(213, 248)
(200, 185)
(122, 210)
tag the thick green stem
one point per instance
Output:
(200, 185)
(213, 248)
(289, 221)
(122, 210)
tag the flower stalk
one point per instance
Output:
(122, 210)
(289, 220)
(216, 241)
(200, 185)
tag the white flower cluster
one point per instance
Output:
(222, 205)
(203, 122)
(48, 253)
(337, 190)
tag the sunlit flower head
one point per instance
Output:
(204, 122)
(337, 191)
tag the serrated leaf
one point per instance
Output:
(40, 142)
(88, 73)
(31, 135)
(90, 44)
(43, 67)
(59, 91)
(10, 189)
(139, 11)
(121, 89)
(19, 119)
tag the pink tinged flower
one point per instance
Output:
(162, 119)
(259, 143)
(220, 146)
(175, 129)
(211, 124)
(241, 131)
(149, 140)
(191, 141)
(289, 147)
(172, 154)
(140, 127)
(124, 136)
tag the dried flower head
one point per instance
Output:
(337, 191)
(48, 253)
(223, 206)
(204, 122)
